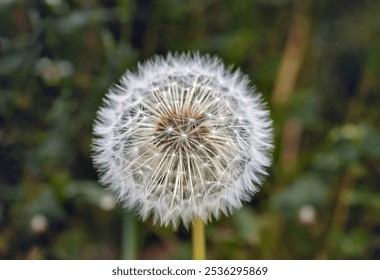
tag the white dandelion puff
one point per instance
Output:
(182, 137)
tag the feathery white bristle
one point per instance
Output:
(182, 137)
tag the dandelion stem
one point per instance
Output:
(199, 243)
(129, 237)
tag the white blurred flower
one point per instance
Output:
(38, 223)
(52, 72)
(53, 2)
(182, 137)
(307, 214)
(107, 202)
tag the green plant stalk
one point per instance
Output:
(129, 237)
(199, 241)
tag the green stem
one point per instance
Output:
(199, 242)
(129, 237)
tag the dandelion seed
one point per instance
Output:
(183, 137)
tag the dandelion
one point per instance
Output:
(182, 137)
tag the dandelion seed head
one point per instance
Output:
(182, 137)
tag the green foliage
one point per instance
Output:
(57, 59)
(307, 190)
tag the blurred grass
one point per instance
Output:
(57, 59)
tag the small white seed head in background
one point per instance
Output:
(307, 214)
(39, 223)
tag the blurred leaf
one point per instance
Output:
(347, 245)
(11, 63)
(78, 19)
(370, 142)
(235, 46)
(70, 244)
(303, 106)
(47, 204)
(308, 190)
(5, 3)
(87, 191)
(364, 197)
(247, 225)
(183, 251)
(354, 243)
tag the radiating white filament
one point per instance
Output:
(183, 137)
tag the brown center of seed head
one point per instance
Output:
(181, 130)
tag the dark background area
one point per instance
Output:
(317, 64)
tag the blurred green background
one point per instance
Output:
(317, 64)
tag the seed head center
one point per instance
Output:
(181, 130)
